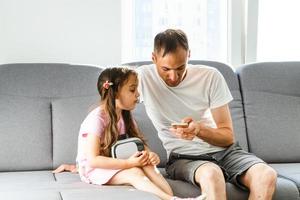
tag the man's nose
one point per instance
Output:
(173, 76)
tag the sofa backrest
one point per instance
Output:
(41, 108)
(236, 108)
(271, 93)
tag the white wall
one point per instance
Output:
(68, 31)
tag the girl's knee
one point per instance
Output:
(136, 172)
(128, 176)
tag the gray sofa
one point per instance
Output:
(42, 106)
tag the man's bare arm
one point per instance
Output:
(222, 135)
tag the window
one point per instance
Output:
(278, 35)
(204, 22)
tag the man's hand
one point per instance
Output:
(193, 130)
(222, 135)
(186, 133)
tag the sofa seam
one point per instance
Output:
(52, 137)
(60, 196)
(54, 177)
(244, 111)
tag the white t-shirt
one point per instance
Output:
(202, 89)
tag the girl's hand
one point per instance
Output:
(65, 167)
(139, 159)
(153, 159)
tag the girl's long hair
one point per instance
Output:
(118, 76)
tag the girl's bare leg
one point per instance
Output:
(156, 177)
(137, 178)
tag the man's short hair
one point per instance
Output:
(169, 40)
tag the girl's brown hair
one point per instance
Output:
(115, 78)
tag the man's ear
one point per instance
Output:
(188, 56)
(154, 57)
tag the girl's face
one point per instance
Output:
(128, 94)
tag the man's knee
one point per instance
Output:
(261, 173)
(209, 173)
(269, 175)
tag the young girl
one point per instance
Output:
(102, 128)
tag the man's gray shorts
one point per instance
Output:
(233, 161)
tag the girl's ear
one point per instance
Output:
(117, 95)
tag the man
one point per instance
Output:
(203, 153)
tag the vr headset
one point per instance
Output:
(125, 148)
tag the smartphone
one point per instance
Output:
(179, 125)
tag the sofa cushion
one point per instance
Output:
(30, 195)
(67, 116)
(286, 189)
(25, 180)
(107, 193)
(26, 90)
(48, 79)
(25, 177)
(289, 171)
(271, 96)
(25, 131)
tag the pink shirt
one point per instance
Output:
(94, 123)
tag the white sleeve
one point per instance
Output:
(219, 93)
(140, 86)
